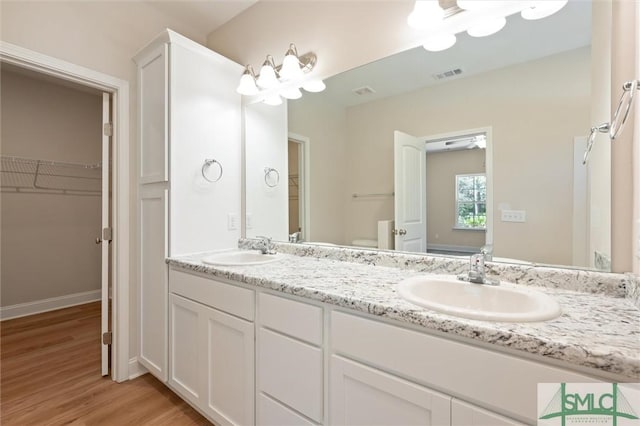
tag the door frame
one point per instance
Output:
(488, 169)
(305, 179)
(119, 90)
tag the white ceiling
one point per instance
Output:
(520, 41)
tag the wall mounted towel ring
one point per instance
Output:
(271, 177)
(210, 172)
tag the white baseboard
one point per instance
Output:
(46, 305)
(136, 369)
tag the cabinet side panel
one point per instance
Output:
(205, 125)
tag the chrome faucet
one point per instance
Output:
(476, 272)
(266, 246)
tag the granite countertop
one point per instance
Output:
(594, 330)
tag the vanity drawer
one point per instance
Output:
(272, 413)
(291, 372)
(228, 298)
(296, 319)
(501, 382)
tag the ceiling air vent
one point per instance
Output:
(447, 74)
(365, 90)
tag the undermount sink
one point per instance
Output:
(447, 294)
(240, 258)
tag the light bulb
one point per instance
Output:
(267, 78)
(439, 42)
(291, 68)
(487, 27)
(273, 100)
(291, 93)
(425, 13)
(542, 9)
(247, 85)
(314, 86)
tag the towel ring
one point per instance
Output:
(206, 167)
(271, 174)
(628, 91)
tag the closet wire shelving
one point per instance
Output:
(28, 175)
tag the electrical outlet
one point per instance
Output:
(514, 216)
(232, 221)
(249, 219)
(638, 239)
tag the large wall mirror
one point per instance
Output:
(498, 126)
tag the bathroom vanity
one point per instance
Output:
(314, 340)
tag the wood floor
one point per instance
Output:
(50, 375)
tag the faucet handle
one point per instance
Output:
(477, 262)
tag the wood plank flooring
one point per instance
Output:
(50, 375)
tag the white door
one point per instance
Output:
(410, 187)
(105, 239)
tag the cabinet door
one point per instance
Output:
(185, 324)
(153, 108)
(153, 290)
(463, 414)
(229, 368)
(361, 395)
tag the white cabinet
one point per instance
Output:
(211, 351)
(153, 288)
(361, 395)
(185, 318)
(188, 112)
(464, 414)
(290, 365)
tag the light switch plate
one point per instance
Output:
(232, 221)
(514, 216)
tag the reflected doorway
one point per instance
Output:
(296, 189)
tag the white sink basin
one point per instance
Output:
(447, 294)
(241, 258)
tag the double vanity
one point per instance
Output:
(327, 335)
(306, 337)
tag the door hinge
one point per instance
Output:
(107, 234)
(106, 338)
(108, 129)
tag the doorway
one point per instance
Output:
(49, 67)
(55, 195)
(298, 190)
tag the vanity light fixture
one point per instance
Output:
(479, 18)
(277, 81)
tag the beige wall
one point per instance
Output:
(442, 168)
(344, 34)
(518, 102)
(103, 36)
(48, 247)
(294, 187)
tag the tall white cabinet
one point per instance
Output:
(188, 115)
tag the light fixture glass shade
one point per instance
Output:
(481, 4)
(291, 68)
(247, 85)
(426, 13)
(267, 78)
(291, 93)
(487, 26)
(439, 42)
(273, 100)
(314, 86)
(542, 9)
